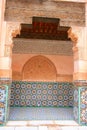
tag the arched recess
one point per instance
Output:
(39, 68)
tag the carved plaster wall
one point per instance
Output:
(39, 68)
(12, 29)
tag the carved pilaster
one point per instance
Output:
(13, 28)
(8, 50)
(79, 37)
(75, 33)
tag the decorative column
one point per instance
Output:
(79, 37)
(10, 30)
(3, 89)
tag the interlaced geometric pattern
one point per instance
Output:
(80, 105)
(41, 94)
(83, 106)
(2, 103)
(76, 104)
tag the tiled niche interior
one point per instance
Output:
(48, 94)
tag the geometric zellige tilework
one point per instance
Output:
(76, 104)
(80, 105)
(2, 104)
(83, 105)
(25, 93)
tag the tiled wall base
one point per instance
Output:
(83, 106)
(41, 94)
(5, 84)
(3, 104)
(76, 104)
(40, 113)
(80, 103)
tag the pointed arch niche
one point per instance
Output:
(39, 68)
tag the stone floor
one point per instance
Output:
(42, 125)
(44, 128)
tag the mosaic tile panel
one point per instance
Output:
(76, 104)
(3, 103)
(41, 94)
(40, 113)
(80, 102)
(83, 105)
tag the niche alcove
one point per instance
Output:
(42, 87)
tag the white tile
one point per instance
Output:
(82, 128)
(7, 128)
(43, 128)
(26, 128)
(74, 128)
(66, 122)
(45, 122)
(54, 128)
(69, 128)
(16, 123)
